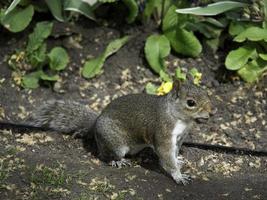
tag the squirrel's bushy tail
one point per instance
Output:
(64, 116)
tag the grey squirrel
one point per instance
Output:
(132, 122)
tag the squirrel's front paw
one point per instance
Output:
(180, 160)
(121, 163)
(180, 178)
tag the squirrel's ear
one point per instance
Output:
(175, 88)
(176, 84)
(190, 78)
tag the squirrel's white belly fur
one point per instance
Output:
(177, 133)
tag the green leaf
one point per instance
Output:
(80, 7)
(58, 58)
(164, 76)
(31, 80)
(236, 59)
(236, 28)
(184, 42)
(194, 71)
(41, 31)
(265, 14)
(93, 67)
(133, 10)
(47, 77)
(251, 72)
(151, 89)
(115, 45)
(263, 56)
(179, 74)
(18, 19)
(213, 8)
(38, 57)
(157, 47)
(252, 34)
(149, 8)
(56, 8)
(172, 20)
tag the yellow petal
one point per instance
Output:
(165, 88)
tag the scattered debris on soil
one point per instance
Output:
(40, 165)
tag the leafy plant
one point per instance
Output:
(167, 81)
(19, 14)
(30, 63)
(17, 19)
(246, 28)
(93, 67)
(157, 47)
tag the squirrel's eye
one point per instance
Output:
(191, 103)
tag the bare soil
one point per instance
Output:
(43, 165)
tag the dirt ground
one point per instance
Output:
(43, 165)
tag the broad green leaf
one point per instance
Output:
(209, 31)
(265, 14)
(31, 80)
(172, 20)
(115, 45)
(133, 10)
(56, 8)
(251, 72)
(41, 31)
(93, 67)
(38, 57)
(184, 42)
(263, 56)
(213, 8)
(236, 59)
(164, 76)
(238, 27)
(12, 6)
(151, 89)
(47, 77)
(157, 47)
(218, 23)
(2, 11)
(252, 34)
(80, 7)
(18, 19)
(179, 74)
(58, 58)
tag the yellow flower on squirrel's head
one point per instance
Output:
(165, 88)
(197, 78)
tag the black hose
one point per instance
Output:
(212, 147)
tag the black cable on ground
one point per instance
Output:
(217, 148)
(226, 149)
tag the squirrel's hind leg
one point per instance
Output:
(111, 145)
